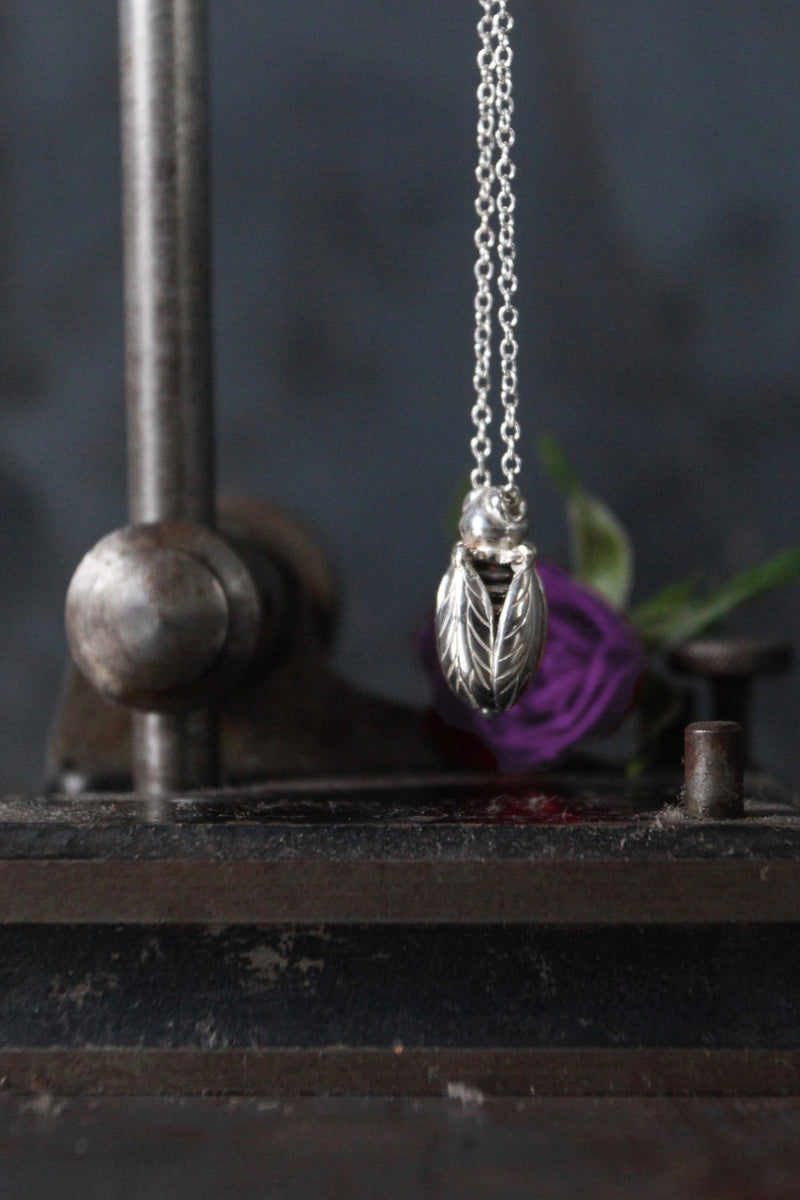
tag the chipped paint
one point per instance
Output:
(267, 962)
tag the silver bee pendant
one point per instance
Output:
(491, 612)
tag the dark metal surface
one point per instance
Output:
(388, 1071)
(287, 1010)
(377, 858)
(397, 850)
(465, 891)
(465, 1148)
(714, 769)
(583, 801)
(401, 987)
(569, 935)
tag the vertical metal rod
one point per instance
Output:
(168, 337)
(194, 257)
(170, 747)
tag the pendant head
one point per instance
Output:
(493, 521)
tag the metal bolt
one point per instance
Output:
(714, 769)
(731, 666)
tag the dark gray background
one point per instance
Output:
(659, 246)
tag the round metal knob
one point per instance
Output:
(732, 657)
(731, 666)
(162, 617)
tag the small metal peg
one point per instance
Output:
(714, 769)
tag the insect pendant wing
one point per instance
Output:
(465, 631)
(521, 635)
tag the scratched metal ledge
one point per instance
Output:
(558, 849)
(549, 1010)
(461, 1074)
(555, 936)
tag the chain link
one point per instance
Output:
(485, 242)
(494, 173)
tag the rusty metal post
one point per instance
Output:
(168, 337)
(714, 768)
(194, 258)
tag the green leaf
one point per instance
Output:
(666, 601)
(601, 550)
(678, 614)
(558, 466)
(655, 617)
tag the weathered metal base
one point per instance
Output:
(462, 1148)
(459, 1074)
(550, 937)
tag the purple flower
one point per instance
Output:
(584, 687)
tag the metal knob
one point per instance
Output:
(163, 617)
(731, 666)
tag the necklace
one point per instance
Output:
(491, 613)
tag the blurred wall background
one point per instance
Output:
(659, 262)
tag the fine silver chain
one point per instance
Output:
(495, 204)
(491, 609)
